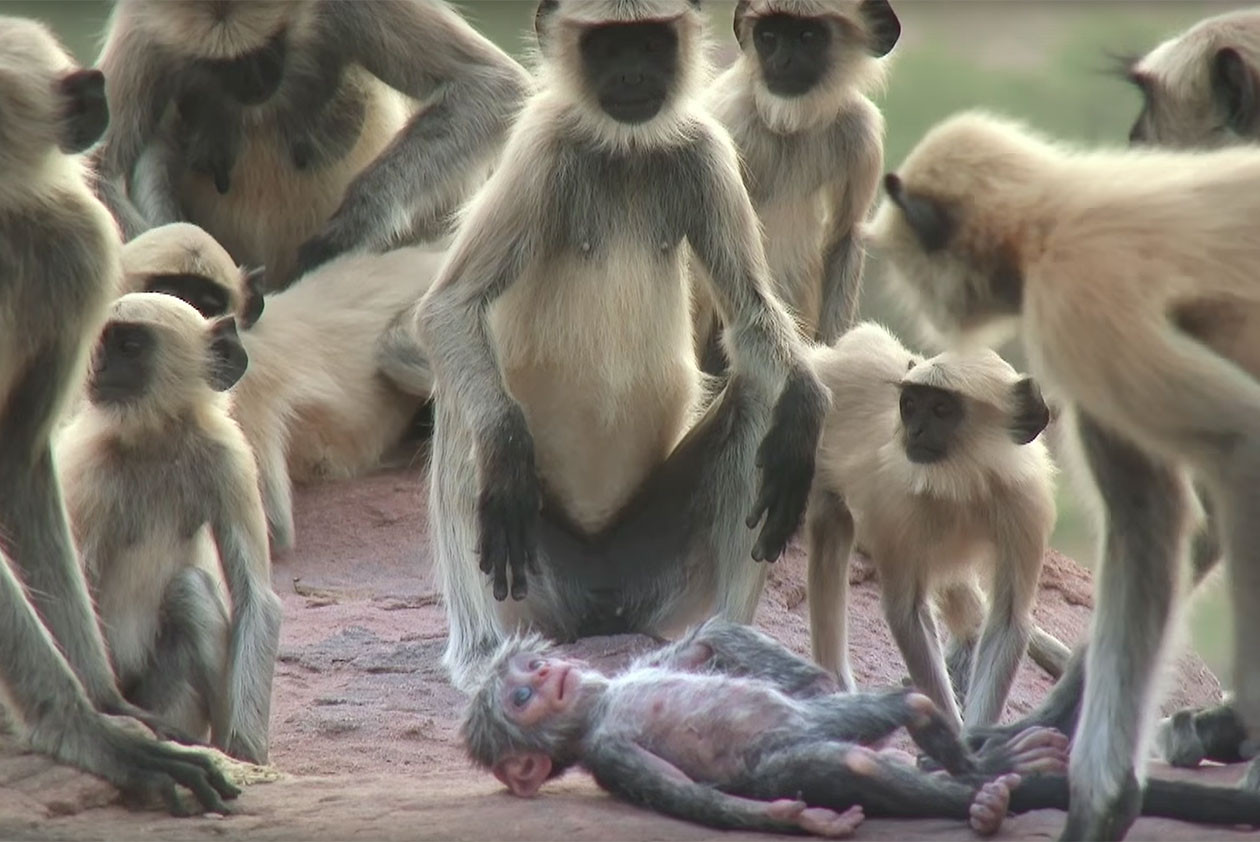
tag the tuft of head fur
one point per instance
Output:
(1176, 79)
(854, 70)
(180, 248)
(211, 29)
(32, 109)
(562, 85)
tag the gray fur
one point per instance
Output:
(59, 258)
(341, 59)
(584, 204)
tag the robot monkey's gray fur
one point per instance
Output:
(164, 501)
(314, 148)
(562, 353)
(59, 259)
(811, 148)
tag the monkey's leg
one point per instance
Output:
(829, 526)
(910, 620)
(962, 609)
(401, 359)
(1003, 641)
(842, 286)
(1145, 535)
(275, 484)
(50, 706)
(185, 683)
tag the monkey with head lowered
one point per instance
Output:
(286, 129)
(339, 407)
(566, 379)
(1201, 89)
(729, 729)
(993, 230)
(811, 147)
(163, 498)
(59, 261)
(933, 465)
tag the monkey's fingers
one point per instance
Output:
(828, 823)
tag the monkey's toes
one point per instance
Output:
(989, 807)
(1039, 749)
(823, 822)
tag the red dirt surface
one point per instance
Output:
(364, 723)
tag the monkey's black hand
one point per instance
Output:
(146, 770)
(151, 721)
(508, 506)
(786, 459)
(321, 248)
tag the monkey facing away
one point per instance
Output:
(163, 497)
(992, 229)
(935, 467)
(59, 261)
(334, 378)
(810, 144)
(720, 729)
(296, 131)
(1201, 89)
(562, 352)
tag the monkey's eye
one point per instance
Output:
(535, 665)
(907, 404)
(129, 345)
(521, 696)
(807, 36)
(942, 410)
(767, 36)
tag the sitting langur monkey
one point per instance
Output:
(993, 229)
(811, 147)
(720, 730)
(565, 373)
(163, 498)
(334, 379)
(59, 261)
(935, 467)
(304, 111)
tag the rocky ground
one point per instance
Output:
(364, 724)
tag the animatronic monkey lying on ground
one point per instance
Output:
(935, 468)
(727, 728)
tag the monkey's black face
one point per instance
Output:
(930, 418)
(123, 364)
(794, 52)
(253, 78)
(209, 298)
(630, 67)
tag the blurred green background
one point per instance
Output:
(1045, 61)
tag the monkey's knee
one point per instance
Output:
(862, 761)
(1178, 741)
(922, 709)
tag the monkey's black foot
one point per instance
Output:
(1103, 821)
(1035, 750)
(161, 728)
(1178, 741)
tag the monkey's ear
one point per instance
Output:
(85, 113)
(544, 11)
(228, 359)
(926, 217)
(1031, 414)
(254, 281)
(1235, 86)
(741, 12)
(523, 773)
(882, 26)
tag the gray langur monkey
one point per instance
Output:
(163, 498)
(296, 131)
(936, 468)
(334, 379)
(566, 440)
(1130, 275)
(1201, 88)
(59, 261)
(811, 149)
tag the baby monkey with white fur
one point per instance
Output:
(811, 147)
(935, 468)
(163, 499)
(728, 728)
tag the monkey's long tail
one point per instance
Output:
(1048, 652)
(1181, 800)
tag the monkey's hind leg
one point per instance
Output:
(829, 528)
(186, 680)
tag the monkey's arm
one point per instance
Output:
(240, 531)
(765, 349)
(470, 90)
(634, 774)
(494, 245)
(861, 162)
(735, 649)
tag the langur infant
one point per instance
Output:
(934, 467)
(333, 381)
(163, 499)
(727, 728)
